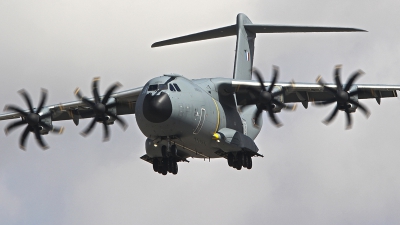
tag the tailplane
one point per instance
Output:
(246, 32)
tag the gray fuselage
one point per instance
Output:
(188, 113)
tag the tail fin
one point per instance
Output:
(246, 31)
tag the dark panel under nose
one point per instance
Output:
(157, 108)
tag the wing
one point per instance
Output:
(75, 110)
(308, 92)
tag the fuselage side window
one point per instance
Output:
(171, 87)
(177, 87)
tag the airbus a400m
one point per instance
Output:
(203, 118)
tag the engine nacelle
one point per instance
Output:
(47, 120)
(353, 108)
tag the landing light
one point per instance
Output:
(216, 137)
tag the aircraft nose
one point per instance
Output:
(157, 108)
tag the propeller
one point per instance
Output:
(100, 108)
(265, 99)
(33, 119)
(342, 96)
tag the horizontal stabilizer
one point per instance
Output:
(216, 33)
(256, 28)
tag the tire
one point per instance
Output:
(239, 159)
(174, 150)
(164, 167)
(245, 160)
(238, 166)
(155, 165)
(164, 151)
(231, 158)
(250, 163)
(175, 170)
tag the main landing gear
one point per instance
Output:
(168, 163)
(241, 159)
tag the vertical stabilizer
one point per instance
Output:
(244, 49)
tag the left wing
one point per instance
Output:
(308, 92)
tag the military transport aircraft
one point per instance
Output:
(202, 118)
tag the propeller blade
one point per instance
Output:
(322, 83)
(106, 132)
(118, 119)
(27, 99)
(278, 103)
(78, 93)
(15, 109)
(110, 91)
(58, 130)
(94, 90)
(39, 139)
(352, 79)
(330, 118)
(273, 118)
(257, 115)
(89, 128)
(14, 125)
(348, 116)
(363, 109)
(274, 78)
(332, 90)
(337, 78)
(42, 100)
(23, 137)
(88, 102)
(260, 79)
(291, 107)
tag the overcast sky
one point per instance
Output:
(311, 173)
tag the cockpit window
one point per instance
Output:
(155, 87)
(171, 88)
(176, 87)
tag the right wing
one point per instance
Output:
(75, 110)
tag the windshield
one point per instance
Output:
(155, 87)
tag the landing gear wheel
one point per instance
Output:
(171, 165)
(245, 160)
(164, 151)
(173, 150)
(175, 168)
(231, 158)
(164, 167)
(155, 165)
(238, 166)
(249, 163)
(239, 159)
